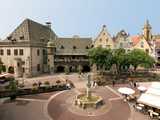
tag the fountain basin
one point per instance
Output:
(88, 102)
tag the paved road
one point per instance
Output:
(22, 110)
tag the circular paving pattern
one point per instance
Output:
(62, 107)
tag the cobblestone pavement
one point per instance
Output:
(45, 106)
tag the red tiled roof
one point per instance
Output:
(135, 39)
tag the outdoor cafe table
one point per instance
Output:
(126, 91)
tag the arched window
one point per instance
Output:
(87, 47)
(74, 47)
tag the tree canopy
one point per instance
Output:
(139, 57)
(101, 57)
(120, 58)
(105, 58)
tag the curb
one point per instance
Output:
(45, 109)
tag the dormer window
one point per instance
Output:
(9, 37)
(74, 47)
(62, 47)
(21, 37)
(13, 40)
(42, 39)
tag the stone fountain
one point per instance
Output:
(88, 100)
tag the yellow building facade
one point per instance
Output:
(104, 39)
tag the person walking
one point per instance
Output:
(113, 83)
(135, 84)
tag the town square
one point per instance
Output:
(79, 60)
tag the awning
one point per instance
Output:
(155, 85)
(150, 100)
(153, 91)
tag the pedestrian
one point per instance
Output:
(66, 80)
(39, 83)
(95, 85)
(131, 84)
(135, 84)
(113, 83)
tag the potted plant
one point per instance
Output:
(34, 86)
(47, 84)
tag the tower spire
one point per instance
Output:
(147, 34)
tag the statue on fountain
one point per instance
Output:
(88, 87)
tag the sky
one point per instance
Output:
(81, 17)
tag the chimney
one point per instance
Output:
(48, 24)
(104, 26)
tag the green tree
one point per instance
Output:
(121, 59)
(139, 57)
(148, 61)
(105, 58)
(4, 68)
(102, 57)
